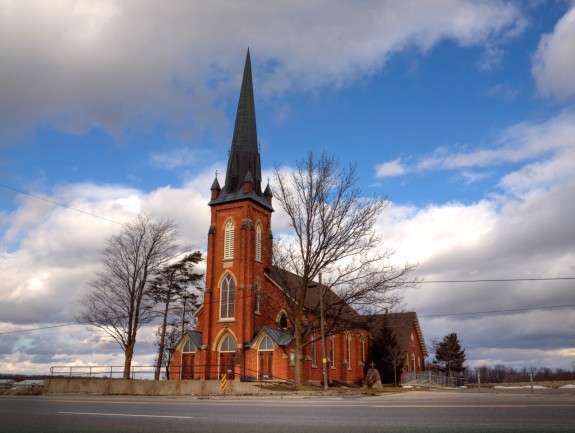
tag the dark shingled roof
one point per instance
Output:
(290, 284)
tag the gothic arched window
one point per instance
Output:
(227, 297)
(258, 242)
(266, 344)
(348, 350)
(189, 347)
(228, 344)
(283, 320)
(229, 239)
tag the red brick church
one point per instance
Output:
(239, 332)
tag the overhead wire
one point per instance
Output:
(514, 310)
(421, 282)
(81, 211)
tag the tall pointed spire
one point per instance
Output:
(244, 158)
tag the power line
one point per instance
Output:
(83, 212)
(195, 246)
(40, 328)
(514, 310)
(59, 204)
(497, 280)
(500, 311)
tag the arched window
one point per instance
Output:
(283, 320)
(362, 349)
(189, 347)
(348, 350)
(313, 350)
(227, 297)
(258, 241)
(266, 344)
(228, 344)
(229, 240)
(332, 349)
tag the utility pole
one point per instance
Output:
(322, 328)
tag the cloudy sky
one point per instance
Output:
(462, 113)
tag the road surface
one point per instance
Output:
(407, 412)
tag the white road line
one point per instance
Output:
(126, 414)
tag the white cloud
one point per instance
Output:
(55, 252)
(77, 65)
(526, 231)
(474, 176)
(520, 143)
(390, 168)
(554, 61)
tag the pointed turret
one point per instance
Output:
(268, 193)
(244, 158)
(215, 188)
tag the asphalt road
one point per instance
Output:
(408, 412)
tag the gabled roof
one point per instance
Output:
(402, 325)
(290, 284)
(279, 337)
(194, 336)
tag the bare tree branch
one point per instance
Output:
(333, 235)
(120, 303)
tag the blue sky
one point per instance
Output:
(462, 113)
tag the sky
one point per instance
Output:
(460, 113)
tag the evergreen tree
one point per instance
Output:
(171, 291)
(385, 353)
(449, 355)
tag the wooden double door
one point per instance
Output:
(227, 364)
(188, 366)
(265, 363)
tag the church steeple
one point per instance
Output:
(244, 159)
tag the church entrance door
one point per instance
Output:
(187, 366)
(265, 364)
(227, 364)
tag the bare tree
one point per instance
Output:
(170, 289)
(120, 303)
(333, 235)
(396, 358)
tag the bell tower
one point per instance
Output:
(239, 242)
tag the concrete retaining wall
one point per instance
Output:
(148, 387)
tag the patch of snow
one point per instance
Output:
(520, 387)
(407, 386)
(570, 386)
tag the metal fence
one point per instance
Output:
(432, 379)
(208, 372)
(103, 371)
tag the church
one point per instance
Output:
(239, 331)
